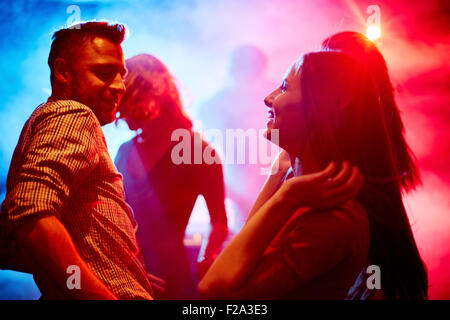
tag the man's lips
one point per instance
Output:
(113, 103)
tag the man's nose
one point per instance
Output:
(118, 84)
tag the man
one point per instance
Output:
(65, 207)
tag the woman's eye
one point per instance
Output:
(283, 86)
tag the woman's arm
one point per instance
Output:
(214, 194)
(278, 170)
(233, 268)
(240, 258)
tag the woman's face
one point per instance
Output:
(138, 112)
(285, 112)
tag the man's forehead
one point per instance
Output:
(102, 49)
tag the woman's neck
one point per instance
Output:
(156, 130)
(303, 161)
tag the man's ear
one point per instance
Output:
(61, 71)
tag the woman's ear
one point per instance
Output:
(61, 71)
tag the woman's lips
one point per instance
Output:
(271, 118)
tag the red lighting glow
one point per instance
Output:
(373, 32)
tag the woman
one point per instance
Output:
(161, 191)
(326, 109)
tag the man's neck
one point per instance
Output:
(58, 93)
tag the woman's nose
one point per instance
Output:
(268, 100)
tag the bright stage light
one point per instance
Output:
(373, 32)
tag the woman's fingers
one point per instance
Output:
(354, 183)
(350, 188)
(312, 180)
(359, 181)
(342, 176)
(347, 191)
(323, 175)
(324, 189)
(343, 196)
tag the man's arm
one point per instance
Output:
(59, 152)
(50, 251)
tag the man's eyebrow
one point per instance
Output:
(122, 70)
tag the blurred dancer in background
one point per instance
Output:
(162, 191)
(236, 107)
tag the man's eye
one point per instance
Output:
(106, 74)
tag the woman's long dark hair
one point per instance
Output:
(346, 121)
(366, 52)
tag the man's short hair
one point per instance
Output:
(74, 37)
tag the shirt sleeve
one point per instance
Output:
(59, 154)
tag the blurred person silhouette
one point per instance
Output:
(236, 107)
(162, 191)
(298, 242)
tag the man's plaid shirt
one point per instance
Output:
(61, 166)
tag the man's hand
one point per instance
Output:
(323, 189)
(159, 287)
(204, 265)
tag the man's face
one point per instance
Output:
(98, 70)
